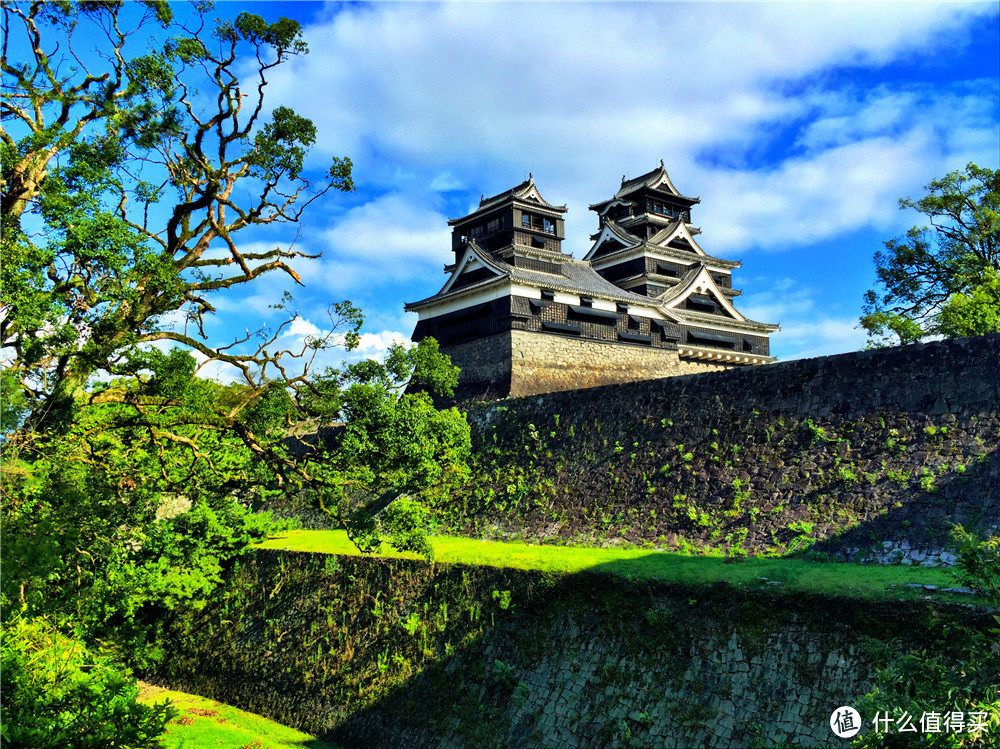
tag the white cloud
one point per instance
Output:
(387, 239)
(764, 110)
(300, 328)
(430, 98)
(446, 182)
(375, 345)
(809, 199)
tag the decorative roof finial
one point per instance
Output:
(623, 179)
(661, 163)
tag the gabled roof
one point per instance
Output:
(612, 232)
(526, 192)
(576, 277)
(468, 258)
(678, 230)
(644, 247)
(657, 179)
(698, 280)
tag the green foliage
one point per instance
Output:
(405, 525)
(899, 476)
(503, 598)
(958, 674)
(973, 312)
(123, 195)
(945, 280)
(57, 693)
(816, 433)
(801, 526)
(847, 476)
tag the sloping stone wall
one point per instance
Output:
(871, 455)
(396, 653)
(544, 363)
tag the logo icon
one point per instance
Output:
(845, 722)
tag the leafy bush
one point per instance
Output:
(57, 694)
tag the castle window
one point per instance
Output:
(557, 327)
(586, 301)
(702, 305)
(494, 225)
(658, 206)
(549, 296)
(621, 308)
(706, 338)
(538, 223)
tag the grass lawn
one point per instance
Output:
(828, 578)
(210, 724)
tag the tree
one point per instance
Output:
(57, 693)
(126, 180)
(942, 279)
(139, 192)
(958, 674)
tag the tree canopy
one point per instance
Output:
(131, 176)
(943, 279)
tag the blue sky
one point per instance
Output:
(798, 125)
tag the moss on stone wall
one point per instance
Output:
(870, 455)
(394, 653)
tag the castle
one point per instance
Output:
(521, 317)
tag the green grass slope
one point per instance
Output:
(206, 723)
(792, 574)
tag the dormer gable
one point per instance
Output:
(473, 266)
(679, 233)
(698, 282)
(611, 238)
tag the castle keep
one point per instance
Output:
(520, 316)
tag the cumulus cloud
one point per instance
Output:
(434, 97)
(765, 111)
(387, 239)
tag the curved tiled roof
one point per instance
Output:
(656, 177)
(577, 277)
(705, 319)
(671, 252)
(526, 192)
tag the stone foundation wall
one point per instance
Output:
(520, 363)
(400, 653)
(485, 365)
(549, 363)
(872, 455)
